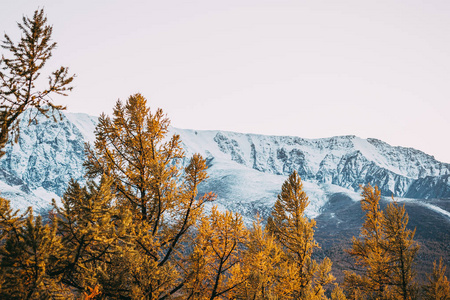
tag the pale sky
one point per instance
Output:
(312, 69)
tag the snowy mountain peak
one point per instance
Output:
(283, 154)
(246, 170)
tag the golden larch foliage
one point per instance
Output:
(20, 86)
(384, 251)
(156, 198)
(295, 233)
(265, 266)
(215, 269)
(369, 252)
(438, 286)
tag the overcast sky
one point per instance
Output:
(312, 69)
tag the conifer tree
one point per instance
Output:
(295, 232)
(438, 286)
(215, 269)
(401, 250)
(10, 225)
(26, 256)
(268, 273)
(385, 251)
(86, 226)
(149, 185)
(20, 72)
(10, 222)
(338, 293)
(369, 251)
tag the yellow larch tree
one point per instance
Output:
(401, 250)
(20, 83)
(295, 233)
(385, 252)
(25, 257)
(133, 151)
(369, 252)
(88, 234)
(268, 273)
(215, 269)
(438, 286)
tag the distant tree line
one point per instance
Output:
(138, 229)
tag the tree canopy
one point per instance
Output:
(20, 69)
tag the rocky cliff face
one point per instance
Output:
(430, 187)
(246, 170)
(346, 161)
(46, 155)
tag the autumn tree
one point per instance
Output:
(26, 255)
(269, 275)
(401, 250)
(295, 232)
(369, 251)
(384, 251)
(88, 231)
(10, 220)
(20, 73)
(338, 293)
(10, 224)
(437, 286)
(215, 268)
(132, 150)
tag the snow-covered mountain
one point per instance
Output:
(246, 170)
(47, 155)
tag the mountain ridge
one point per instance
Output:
(246, 169)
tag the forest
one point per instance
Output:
(139, 229)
